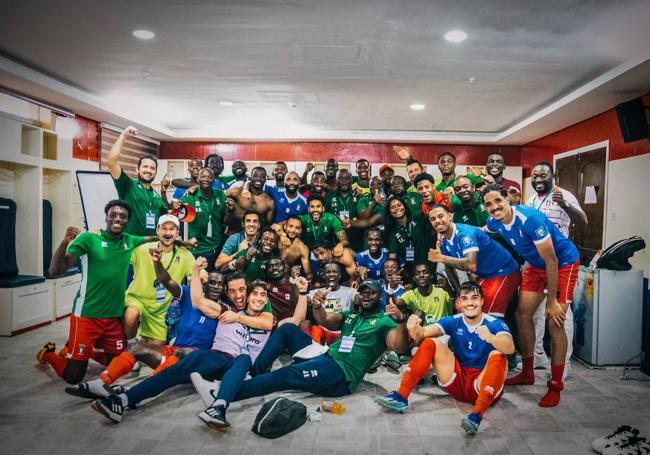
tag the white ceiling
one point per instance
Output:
(331, 70)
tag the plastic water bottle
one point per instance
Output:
(334, 407)
(172, 318)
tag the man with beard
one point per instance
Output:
(96, 320)
(321, 255)
(386, 174)
(554, 262)
(279, 172)
(317, 185)
(429, 302)
(371, 205)
(342, 203)
(495, 167)
(288, 201)
(366, 333)
(362, 185)
(398, 188)
(562, 208)
(413, 166)
(424, 183)
(331, 169)
(447, 168)
(474, 373)
(240, 240)
(210, 207)
(293, 250)
(195, 330)
(319, 225)
(282, 293)
(253, 261)
(236, 345)
(468, 248)
(370, 263)
(255, 199)
(239, 170)
(145, 202)
(467, 204)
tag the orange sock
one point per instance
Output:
(418, 367)
(57, 362)
(494, 377)
(527, 375)
(169, 361)
(317, 333)
(118, 367)
(555, 386)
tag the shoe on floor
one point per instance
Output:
(614, 439)
(207, 390)
(393, 401)
(632, 446)
(110, 407)
(94, 390)
(48, 347)
(215, 417)
(391, 361)
(471, 423)
(63, 352)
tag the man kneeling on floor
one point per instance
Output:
(365, 333)
(476, 373)
(235, 347)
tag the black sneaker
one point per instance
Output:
(110, 407)
(95, 392)
(215, 417)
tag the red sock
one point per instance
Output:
(494, 377)
(57, 362)
(118, 367)
(527, 375)
(555, 386)
(317, 334)
(169, 361)
(418, 367)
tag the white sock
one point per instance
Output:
(124, 398)
(96, 386)
(219, 402)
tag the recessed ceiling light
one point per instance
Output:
(417, 106)
(472, 80)
(143, 34)
(456, 36)
(226, 103)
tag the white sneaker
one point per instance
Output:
(207, 389)
(615, 439)
(632, 446)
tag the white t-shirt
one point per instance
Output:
(545, 204)
(340, 300)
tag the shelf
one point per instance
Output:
(50, 145)
(31, 141)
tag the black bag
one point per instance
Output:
(279, 417)
(616, 256)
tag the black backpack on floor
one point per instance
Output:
(279, 417)
(617, 255)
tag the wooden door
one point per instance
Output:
(579, 174)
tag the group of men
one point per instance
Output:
(335, 269)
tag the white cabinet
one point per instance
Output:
(25, 307)
(65, 290)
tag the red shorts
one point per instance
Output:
(498, 291)
(462, 385)
(324, 336)
(88, 334)
(534, 280)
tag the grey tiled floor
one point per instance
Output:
(36, 416)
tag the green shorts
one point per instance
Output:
(152, 317)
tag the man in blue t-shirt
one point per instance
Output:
(288, 201)
(468, 248)
(370, 262)
(475, 372)
(554, 262)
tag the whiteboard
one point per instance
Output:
(95, 189)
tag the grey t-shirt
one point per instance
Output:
(340, 300)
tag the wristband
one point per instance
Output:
(231, 265)
(303, 292)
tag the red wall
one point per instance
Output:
(85, 143)
(320, 151)
(600, 128)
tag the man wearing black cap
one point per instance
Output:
(366, 333)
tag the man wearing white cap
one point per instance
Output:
(146, 302)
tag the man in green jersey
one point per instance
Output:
(466, 203)
(145, 202)
(253, 261)
(447, 168)
(429, 302)
(318, 225)
(207, 227)
(342, 203)
(96, 320)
